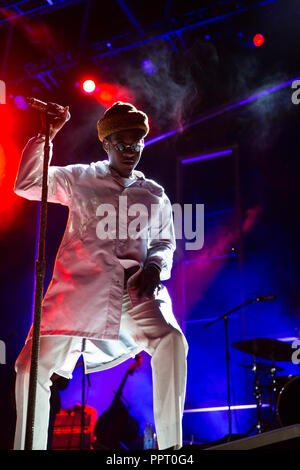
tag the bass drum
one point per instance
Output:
(288, 403)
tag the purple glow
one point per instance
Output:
(206, 156)
(225, 408)
(206, 319)
(148, 67)
(221, 110)
(21, 102)
(197, 260)
(262, 93)
(161, 137)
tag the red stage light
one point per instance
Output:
(10, 203)
(258, 40)
(107, 94)
(89, 86)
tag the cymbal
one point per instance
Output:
(266, 348)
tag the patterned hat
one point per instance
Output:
(122, 117)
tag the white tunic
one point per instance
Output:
(85, 295)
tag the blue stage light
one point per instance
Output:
(20, 102)
(148, 67)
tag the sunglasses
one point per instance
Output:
(136, 147)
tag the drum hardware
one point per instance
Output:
(261, 366)
(258, 396)
(274, 388)
(262, 425)
(225, 318)
(269, 371)
(273, 350)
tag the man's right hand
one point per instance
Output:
(56, 123)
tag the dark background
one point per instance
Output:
(205, 64)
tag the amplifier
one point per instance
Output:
(67, 428)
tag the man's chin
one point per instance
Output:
(126, 170)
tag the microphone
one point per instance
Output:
(43, 107)
(265, 298)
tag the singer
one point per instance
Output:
(105, 294)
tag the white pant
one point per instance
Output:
(146, 324)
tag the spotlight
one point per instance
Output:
(258, 40)
(107, 93)
(148, 67)
(21, 102)
(89, 86)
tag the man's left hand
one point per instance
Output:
(148, 281)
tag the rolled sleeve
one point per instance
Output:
(29, 179)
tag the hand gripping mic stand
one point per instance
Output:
(39, 288)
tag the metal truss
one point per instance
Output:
(173, 36)
(11, 10)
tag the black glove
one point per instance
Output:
(148, 280)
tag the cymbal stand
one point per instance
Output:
(225, 318)
(274, 386)
(258, 426)
(258, 397)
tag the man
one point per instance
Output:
(106, 300)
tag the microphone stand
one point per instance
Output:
(225, 317)
(82, 420)
(39, 288)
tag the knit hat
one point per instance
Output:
(122, 117)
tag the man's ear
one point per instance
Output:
(105, 145)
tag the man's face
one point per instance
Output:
(123, 162)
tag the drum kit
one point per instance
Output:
(283, 391)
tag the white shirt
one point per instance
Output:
(85, 295)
